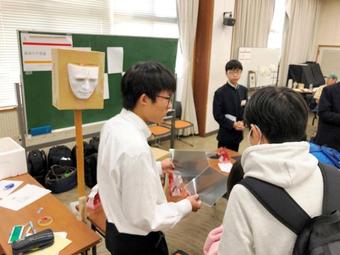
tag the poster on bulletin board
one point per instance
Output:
(36, 49)
(260, 66)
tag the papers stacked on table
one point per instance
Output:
(23, 197)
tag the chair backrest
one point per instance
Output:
(178, 110)
(311, 102)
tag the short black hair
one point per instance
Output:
(148, 78)
(233, 64)
(279, 112)
(235, 176)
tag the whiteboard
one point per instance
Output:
(328, 58)
(261, 61)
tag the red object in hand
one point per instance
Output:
(224, 155)
(171, 183)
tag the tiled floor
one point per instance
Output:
(190, 233)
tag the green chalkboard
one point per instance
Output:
(38, 84)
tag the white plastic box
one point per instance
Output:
(12, 158)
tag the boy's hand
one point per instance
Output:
(238, 125)
(195, 202)
(167, 166)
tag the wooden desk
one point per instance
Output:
(213, 163)
(98, 220)
(97, 216)
(159, 154)
(82, 237)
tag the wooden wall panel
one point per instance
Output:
(202, 61)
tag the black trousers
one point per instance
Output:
(126, 244)
(230, 145)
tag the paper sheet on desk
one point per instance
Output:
(5, 192)
(24, 196)
(59, 244)
(225, 167)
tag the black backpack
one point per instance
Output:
(317, 236)
(60, 155)
(61, 178)
(94, 143)
(37, 165)
(88, 150)
(90, 168)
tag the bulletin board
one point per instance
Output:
(328, 57)
(260, 66)
(37, 84)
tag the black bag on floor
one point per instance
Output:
(94, 143)
(61, 178)
(37, 165)
(60, 155)
(88, 150)
(319, 235)
(90, 167)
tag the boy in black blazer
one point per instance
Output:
(228, 105)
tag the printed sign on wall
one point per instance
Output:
(36, 49)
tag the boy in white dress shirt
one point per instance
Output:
(128, 176)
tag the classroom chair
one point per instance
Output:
(180, 125)
(158, 132)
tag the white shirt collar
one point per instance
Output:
(136, 121)
(235, 87)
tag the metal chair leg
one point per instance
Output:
(94, 248)
(190, 144)
(183, 141)
(314, 118)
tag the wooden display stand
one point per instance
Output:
(64, 99)
(80, 164)
(62, 95)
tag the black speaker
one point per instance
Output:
(227, 19)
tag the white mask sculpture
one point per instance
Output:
(83, 80)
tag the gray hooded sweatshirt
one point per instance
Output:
(248, 227)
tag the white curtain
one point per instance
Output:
(299, 34)
(253, 22)
(187, 12)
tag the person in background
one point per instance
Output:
(279, 154)
(228, 105)
(331, 80)
(128, 176)
(329, 117)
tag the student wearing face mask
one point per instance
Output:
(279, 154)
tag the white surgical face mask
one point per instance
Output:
(83, 80)
(249, 134)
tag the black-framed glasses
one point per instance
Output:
(167, 98)
(232, 72)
